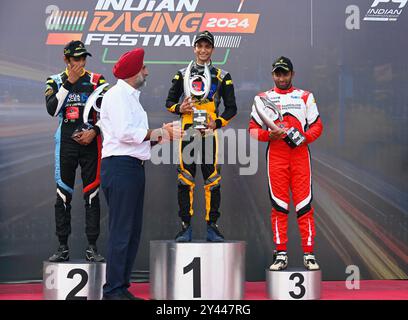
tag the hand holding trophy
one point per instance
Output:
(293, 137)
(78, 134)
(187, 105)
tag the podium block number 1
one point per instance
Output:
(195, 266)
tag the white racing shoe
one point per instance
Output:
(280, 261)
(309, 260)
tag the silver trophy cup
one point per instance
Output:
(91, 103)
(200, 117)
(293, 136)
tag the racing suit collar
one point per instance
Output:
(201, 66)
(280, 91)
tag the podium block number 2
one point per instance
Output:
(195, 266)
(84, 280)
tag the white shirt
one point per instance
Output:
(124, 123)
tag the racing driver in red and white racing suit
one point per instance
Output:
(289, 167)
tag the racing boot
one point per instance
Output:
(92, 254)
(213, 234)
(309, 260)
(185, 235)
(280, 261)
(61, 255)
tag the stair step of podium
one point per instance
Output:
(293, 284)
(197, 270)
(73, 280)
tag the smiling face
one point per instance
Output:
(203, 51)
(283, 78)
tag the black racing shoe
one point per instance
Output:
(185, 235)
(92, 254)
(213, 234)
(61, 255)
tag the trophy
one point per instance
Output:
(90, 103)
(198, 87)
(293, 136)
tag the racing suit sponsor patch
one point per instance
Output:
(72, 113)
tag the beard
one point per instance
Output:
(140, 82)
(285, 86)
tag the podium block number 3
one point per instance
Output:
(299, 284)
(195, 266)
(84, 280)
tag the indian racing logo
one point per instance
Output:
(114, 24)
(385, 10)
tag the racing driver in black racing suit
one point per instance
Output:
(66, 94)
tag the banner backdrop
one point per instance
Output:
(350, 53)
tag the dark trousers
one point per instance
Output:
(68, 155)
(123, 183)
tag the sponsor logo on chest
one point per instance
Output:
(288, 103)
(74, 97)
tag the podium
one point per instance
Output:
(293, 284)
(73, 280)
(197, 270)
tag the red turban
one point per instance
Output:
(129, 64)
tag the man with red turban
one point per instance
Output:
(126, 147)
